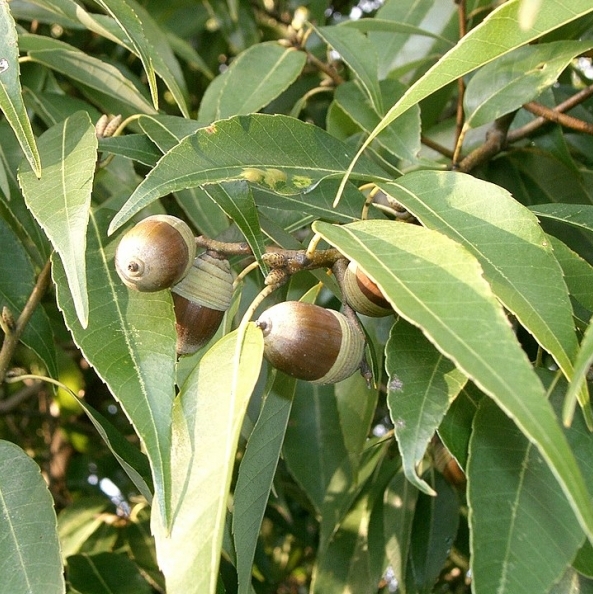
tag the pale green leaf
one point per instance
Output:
(277, 152)
(499, 33)
(511, 247)
(61, 199)
(422, 384)
(360, 55)
(255, 78)
(11, 99)
(130, 341)
(577, 215)
(207, 421)
(524, 533)
(256, 474)
(15, 290)
(125, 16)
(29, 547)
(438, 285)
(85, 69)
(78, 521)
(582, 364)
(516, 78)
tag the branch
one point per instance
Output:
(13, 332)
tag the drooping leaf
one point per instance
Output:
(29, 546)
(11, 98)
(518, 512)
(61, 199)
(15, 289)
(207, 421)
(422, 384)
(130, 341)
(85, 69)
(278, 152)
(511, 247)
(256, 473)
(437, 285)
(125, 16)
(516, 78)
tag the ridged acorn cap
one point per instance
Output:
(200, 301)
(156, 253)
(363, 295)
(311, 343)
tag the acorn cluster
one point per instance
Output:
(303, 340)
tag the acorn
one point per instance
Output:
(156, 253)
(200, 301)
(311, 343)
(363, 295)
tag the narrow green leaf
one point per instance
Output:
(499, 33)
(130, 341)
(277, 152)
(256, 77)
(516, 78)
(29, 547)
(106, 573)
(377, 24)
(577, 215)
(86, 69)
(132, 146)
(61, 199)
(433, 532)
(511, 247)
(422, 384)
(78, 521)
(437, 285)
(582, 364)
(207, 421)
(11, 99)
(360, 56)
(236, 200)
(15, 289)
(125, 16)
(166, 130)
(518, 513)
(256, 474)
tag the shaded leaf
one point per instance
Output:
(422, 384)
(11, 99)
(15, 289)
(438, 285)
(277, 152)
(61, 199)
(256, 474)
(254, 79)
(207, 420)
(130, 341)
(518, 512)
(577, 215)
(132, 146)
(29, 546)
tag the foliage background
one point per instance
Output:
(467, 465)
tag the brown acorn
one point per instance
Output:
(363, 295)
(156, 253)
(201, 300)
(311, 343)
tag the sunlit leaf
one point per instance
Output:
(206, 423)
(11, 99)
(437, 285)
(29, 547)
(130, 341)
(278, 152)
(61, 199)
